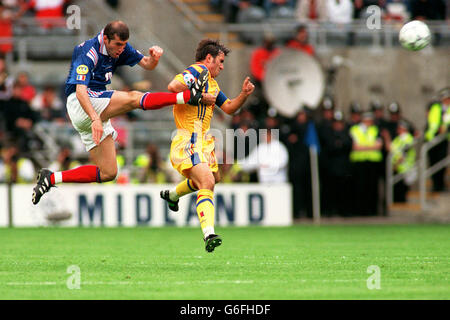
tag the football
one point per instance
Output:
(414, 35)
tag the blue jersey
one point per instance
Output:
(92, 66)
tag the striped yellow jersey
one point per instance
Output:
(197, 118)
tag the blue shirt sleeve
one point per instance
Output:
(221, 99)
(130, 56)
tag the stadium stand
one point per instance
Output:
(45, 53)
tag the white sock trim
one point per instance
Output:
(58, 177)
(180, 98)
(207, 231)
(173, 195)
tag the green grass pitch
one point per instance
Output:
(256, 263)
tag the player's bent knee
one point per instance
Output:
(134, 98)
(207, 183)
(108, 175)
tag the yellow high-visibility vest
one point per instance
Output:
(437, 118)
(366, 138)
(401, 147)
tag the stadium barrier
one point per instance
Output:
(140, 205)
(426, 171)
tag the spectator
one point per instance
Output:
(64, 161)
(403, 160)
(232, 7)
(9, 11)
(216, 5)
(340, 11)
(260, 57)
(151, 168)
(123, 175)
(248, 118)
(19, 119)
(395, 116)
(437, 123)
(299, 166)
(355, 114)
(365, 157)
(270, 159)
(300, 41)
(47, 11)
(270, 5)
(49, 105)
(428, 10)
(15, 168)
(28, 92)
(113, 3)
(355, 118)
(6, 32)
(377, 109)
(324, 131)
(312, 10)
(360, 7)
(324, 125)
(235, 121)
(397, 10)
(336, 147)
(231, 171)
(242, 141)
(6, 81)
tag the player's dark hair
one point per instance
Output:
(209, 46)
(300, 27)
(117, 27)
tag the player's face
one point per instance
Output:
(217, 65)
(115, 46)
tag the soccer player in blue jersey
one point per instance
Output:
(90, 106)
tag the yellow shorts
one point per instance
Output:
(187, 151)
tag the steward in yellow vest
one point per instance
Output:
(366, 158)
(438, 121)
(366, 141)
(403, 160)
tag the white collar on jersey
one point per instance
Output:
(102, 44)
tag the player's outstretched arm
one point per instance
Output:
(151, 61)
(247, 89)
(177, 86)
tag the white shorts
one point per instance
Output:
(82, 122)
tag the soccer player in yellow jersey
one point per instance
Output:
(192, 149)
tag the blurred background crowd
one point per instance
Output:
(338, 11)
(352, 146)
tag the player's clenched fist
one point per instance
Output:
(248, 87)
(155, 52)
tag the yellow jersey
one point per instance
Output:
(197, 118)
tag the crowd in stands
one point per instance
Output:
(346, 164)
(48, 15)
(352, 148)
(337, 11)
(353, 151)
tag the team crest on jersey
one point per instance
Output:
(81, 77)
(82, 69)
(189, 79)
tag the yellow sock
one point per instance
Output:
(205, 211)
(183, 188)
